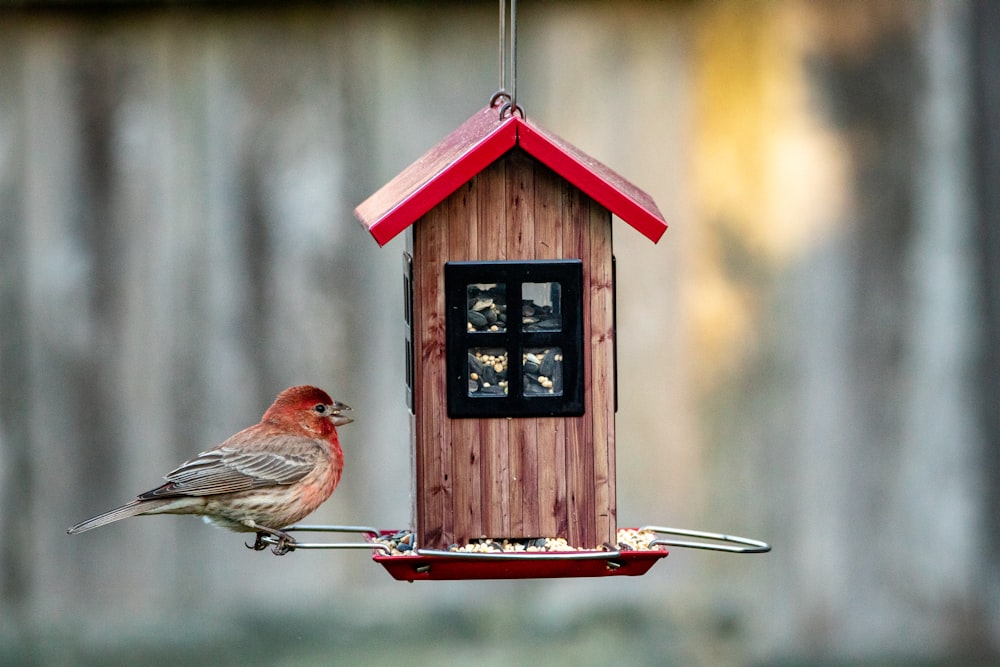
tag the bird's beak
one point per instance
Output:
(335, 416)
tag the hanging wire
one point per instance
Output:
(513, 54)
(507, 101)
(503, 42)
(502, 94)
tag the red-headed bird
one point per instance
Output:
(261, 479)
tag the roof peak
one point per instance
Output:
(478, 143)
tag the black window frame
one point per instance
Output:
(514, 339)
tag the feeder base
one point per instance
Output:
(435, 565)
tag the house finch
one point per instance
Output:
(261, 479)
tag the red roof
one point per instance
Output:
(476, 144)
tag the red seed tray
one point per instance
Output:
(434, 565)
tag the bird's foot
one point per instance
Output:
(285, 542)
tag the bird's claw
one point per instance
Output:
(258, 544)
(285, 544)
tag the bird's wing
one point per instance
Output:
(226, 470)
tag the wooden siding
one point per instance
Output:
(522, 477)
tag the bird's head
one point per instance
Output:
(311, 408)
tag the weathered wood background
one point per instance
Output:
(809, 356)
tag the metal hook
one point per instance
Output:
(499, 96)
(749, 546)
(511, 109)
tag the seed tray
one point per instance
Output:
(441, 565)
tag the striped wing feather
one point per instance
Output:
(227, 470)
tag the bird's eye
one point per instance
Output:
(320, 408)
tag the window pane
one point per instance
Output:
(487, 307)
(542, 371)
(487, 371)
(531, 365)
(541, 308)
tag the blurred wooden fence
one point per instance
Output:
(805, 357)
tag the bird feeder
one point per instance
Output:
(510, 316)
(510, 366)
(511, 374)
(511, 358)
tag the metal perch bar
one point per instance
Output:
(364, 530)
(749, 546)
(305, 528)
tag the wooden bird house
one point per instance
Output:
(510, 314)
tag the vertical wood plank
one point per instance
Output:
(550, 435)
(520, 207)
(523, 502)
(602, 361)
(493, 433)
(550, 432)
(521, 245)
(579, 436)
(430, 253)
(465, 478)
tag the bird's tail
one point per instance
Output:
(125, 511)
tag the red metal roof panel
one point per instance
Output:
(476, 144)
(605, 186)
(469, 149)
